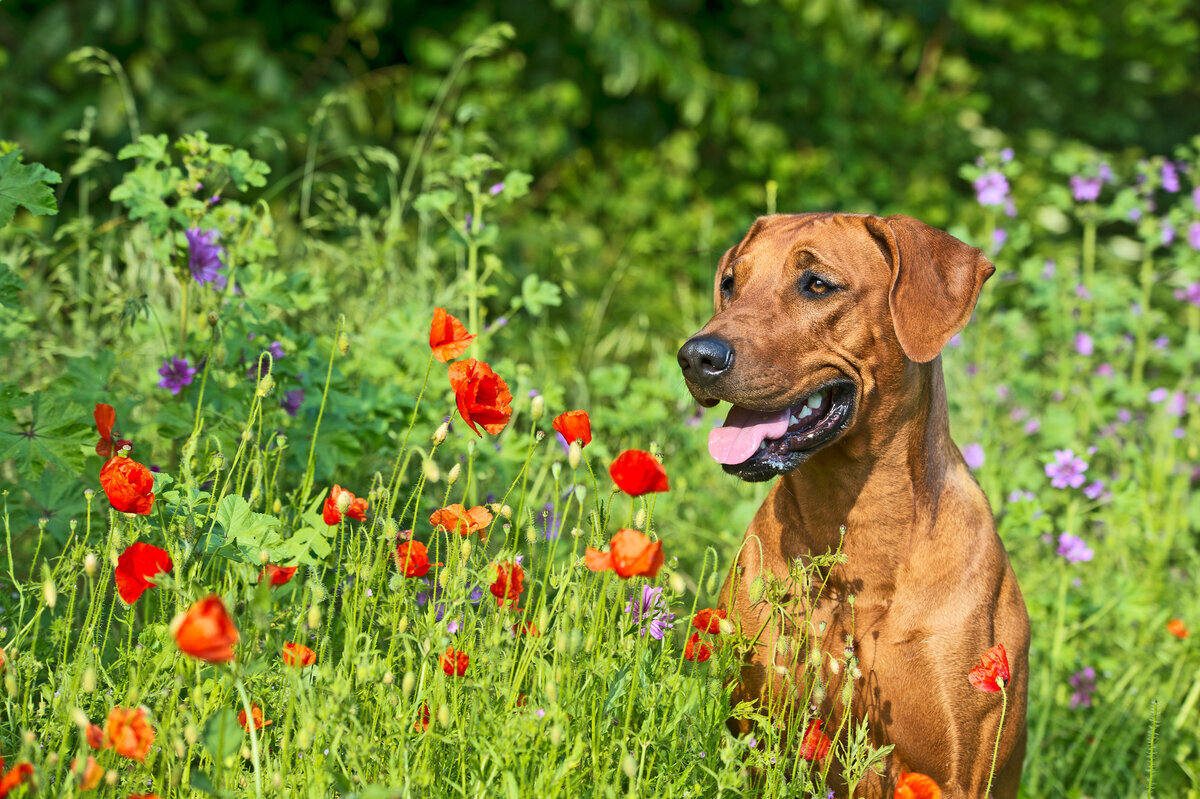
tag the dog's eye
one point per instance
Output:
(727, 286)
(814, 286)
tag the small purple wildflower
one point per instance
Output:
(204, 256)
(1006, 155)
(1135, 214)
(955, 341)
(1161, 343)
(176, 373)
(467, 223)
(999, 236)
(973, 454)
(1168, 233)
(1170, 178)
(1177, 404)
(1020, 496)
(1193, 235)
(1049, 268)
(1081, 291)
(1196, 197)
(292, 400)
(452, 627)
(1094, 489)
(541, 714)
(1073, 548)
(1032, 426)
(1105, 370)
(496, 189)
(276, 350)
(1189, 293)
(1085, 190)
(1157, 395)
(652, 607)
(991, 188)
(1105, 172)
(1066, 470)
(1084, 344)
(1124, 416)
(500, 321)
(1084, 683)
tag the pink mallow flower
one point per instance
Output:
(1066, 470)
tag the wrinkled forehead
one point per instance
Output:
(837, 240)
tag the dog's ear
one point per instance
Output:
(935, 282)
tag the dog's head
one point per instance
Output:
(817, 316)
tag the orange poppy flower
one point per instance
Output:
(13, 777)
(128, 485)
(696, 649)
(1177, 628)
(574, 425)
(709, 620)
(256, 714)
(630, 554)
(637, 472)
(412, 558)
(136, 565)
(278, 575)
(916, 786)
(3, 662)
(129, 733)
(357, 509)
(457, 519)
(448, 337)
(143, 796)
(815, 744)
(105, 418)
(422, 722)
(507, 586)
(298, 655)
(453, 662)
(206, 631)
(527, 627)
(88, 773)
(992, 672)
(94, 735)
(482, 397)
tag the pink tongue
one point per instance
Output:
(743, 431)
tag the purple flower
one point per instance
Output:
(1135, 214)
(1081, 291)
(1196, 197)
(276, 350)
(1170, 178)
(1094, 490)
(1177, 404)
(452, 627)
(292, 400)
(1157, 395)
(1006, 155)
(1105, 172)
(991, 188)
(1032, 426)
(1190, 293)
(1168, 233)
(1074, 549)
(653, 608)
(1084, 344)
(973, 454)
(1084, 685)
(176, 373)
(496, 189)
(1066, 470)
(1020, 496)
(1104, 370)
(1049, 268)
(999, 236)
(1085, 190)
(468, 221)
(1193, 235)
(204, 256)
(500, 321)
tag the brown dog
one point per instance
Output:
(826, 340)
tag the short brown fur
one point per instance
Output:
(932, 583)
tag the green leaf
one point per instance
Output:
(537, 294)
(148, 148)
(144, 191)
(10, 287)
(247, 531)
(438, 200)
(25, 185)
(201, 782)
(245, 171)
(222, 734)
(39, 430)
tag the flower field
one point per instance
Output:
(307, 492)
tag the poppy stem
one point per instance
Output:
(250, 726)
(999, 730)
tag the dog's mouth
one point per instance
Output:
(758, 445)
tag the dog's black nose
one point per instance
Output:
(705, 359)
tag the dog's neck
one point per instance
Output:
(883, 483)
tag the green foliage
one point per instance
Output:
(25, 186)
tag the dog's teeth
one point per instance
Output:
(792, 419)
(805, 412)
(762, 445)
(815, 400)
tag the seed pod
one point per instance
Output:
(90, 564)
(783, 644)
(444, 715)
(531, 534)
(402, 625)
(314, 617)
(439, 435)
(727, 627)
(629, 766)
(408, 683)
(758, 587)
(277, 507)
(464, 550)
(213, 319)
(537, 408)
(639, 519)
(575, 454)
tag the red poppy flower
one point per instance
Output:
(106, 417)
(481, 395)
(257, 715)
(448, 338)
(128, 485)
(457, 519)
(422, 722)
(916, 786)
(88, 773)
(1177, 628)
(507, 585)
(129, 733)
(992, 672)
(815, 744)
(696, 649)
(709, 620)
(637, 472)
(574, 425)
(136, 565)
(630, 554)
(412, 558)
(357, 509)
(94, 735)
(3, 661)
(453, 662)
(143, 796)
(206, 631)
(526, 627)
(298, 655)
(14, 777)
(278, 575)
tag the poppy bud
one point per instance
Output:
(402, 625)
(343, 343)
(90, 563)
(782, 644)
(574, 454)
(580, 493)
(452, 475)
(432, 474)
(818, 692)
(213, 319)
(180, 748)
(10, 684)
(344, 498)
(589, 644)
(408, 683)
(560, 643)
(88, 683)
(265, 385)
(711, 585)
(537, 408)
(191, 734)
(110, 777)
(506, 511)
(758, 587)
(677, 583)
(80, 718)
(639, 519)
(531, 534)
(264, 557)
(726, 626)
(576, 532)
(556, 733)
(388, 678)
(52, 759)
(439, 435)
(247, 435)
(277, 507)
(50, 594)
(556, 470)
(314, 617)
(464, 550)
(444, 715)
(629, 766)
(277, 780)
